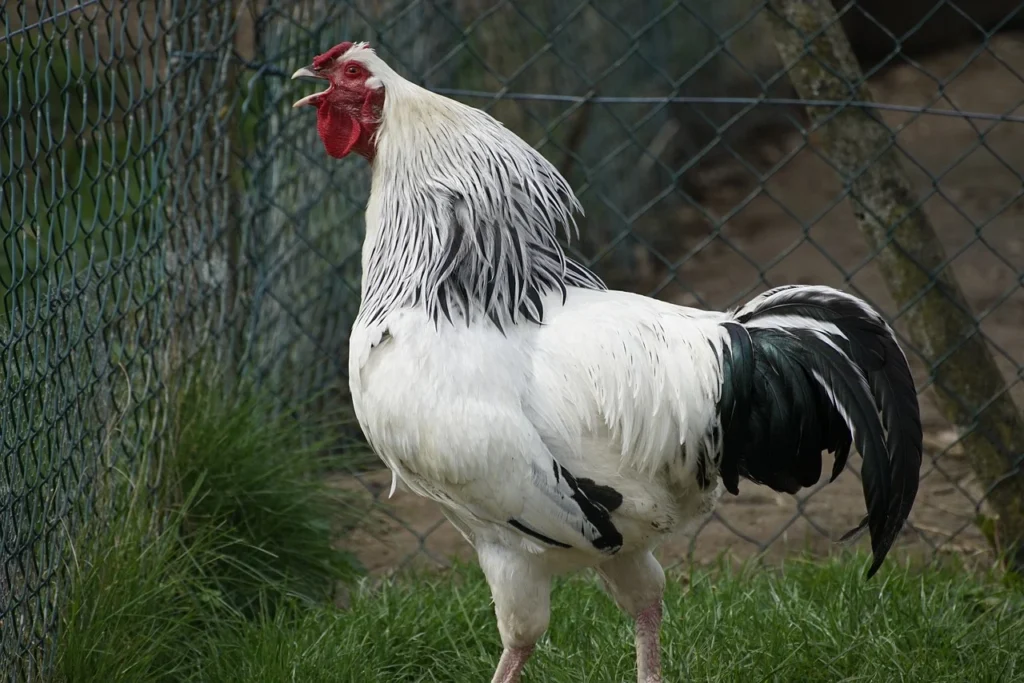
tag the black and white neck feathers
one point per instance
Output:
(464, 218)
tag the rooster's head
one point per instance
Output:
(349, 111)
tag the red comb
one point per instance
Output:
(332, 54)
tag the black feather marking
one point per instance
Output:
(596, 502)
(783, 388)
(599, 494)
(442, 302)
(536, 313)
(703, 480)
(516, 524)
(737, 388)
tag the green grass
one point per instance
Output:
(234, 520)
(137, 601)
(808, 622)
(220, 569)
(258, 478)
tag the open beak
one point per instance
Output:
(308, 72)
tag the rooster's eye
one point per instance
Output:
(352, 70)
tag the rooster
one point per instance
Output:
(561, 425)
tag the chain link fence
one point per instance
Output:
(160, 199)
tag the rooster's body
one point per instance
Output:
(561, 425)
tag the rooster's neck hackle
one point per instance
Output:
(464, 217)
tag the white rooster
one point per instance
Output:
(561, 425)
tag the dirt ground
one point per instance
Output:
(975, 205)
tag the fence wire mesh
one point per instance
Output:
(160, 199)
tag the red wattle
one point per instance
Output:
(338, 131)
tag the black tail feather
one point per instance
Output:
(809, 369)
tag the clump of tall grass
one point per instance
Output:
(232, 520)
(138, 595)
(257, 476)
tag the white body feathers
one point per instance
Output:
(614, 387)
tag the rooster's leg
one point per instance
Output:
(636, 582)
(521, 589)
(648, 644)
(510, 668)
